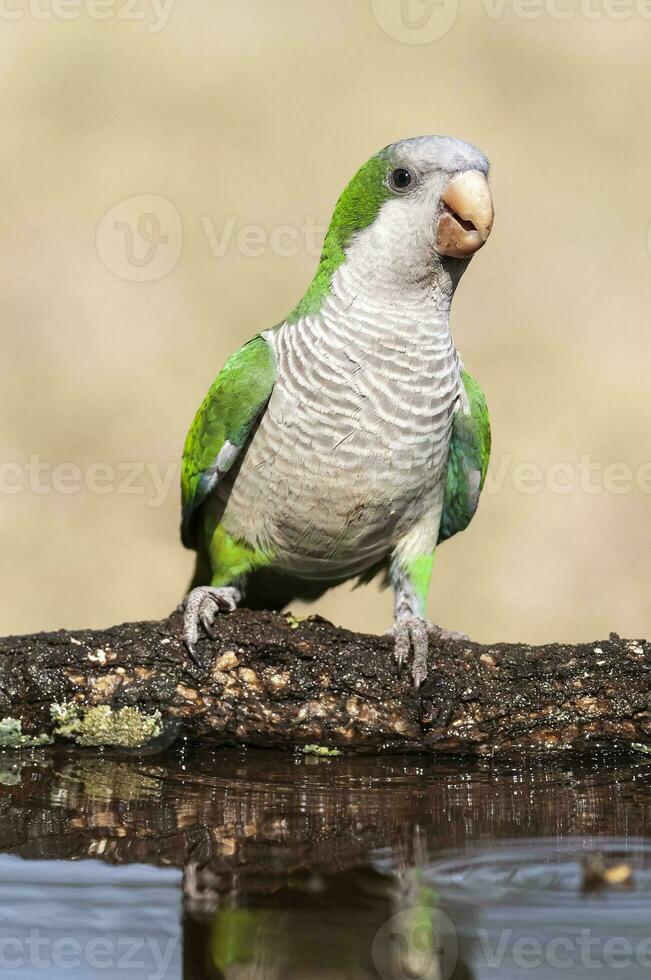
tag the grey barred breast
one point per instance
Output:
(353, 446)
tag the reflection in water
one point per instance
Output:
(304, 867)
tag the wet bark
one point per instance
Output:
(269, 681)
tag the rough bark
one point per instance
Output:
(270, 681)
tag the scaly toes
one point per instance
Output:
(402, 645)
(200, 608)
(420, 642)
(412, 634)
(191, 606)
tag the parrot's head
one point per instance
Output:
(417, 208)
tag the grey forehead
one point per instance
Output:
(437, 153)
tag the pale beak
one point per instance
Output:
(467, 218)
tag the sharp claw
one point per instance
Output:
(412, 635)
(192, 653)
(201, 607)
(207, 623)
(400, 650)
(418, 673)
(211, 632)
(419, 668)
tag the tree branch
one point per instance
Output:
(268, 680)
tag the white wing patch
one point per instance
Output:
(227, 456)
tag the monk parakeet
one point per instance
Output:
(349, 440)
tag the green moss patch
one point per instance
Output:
(12, 737)
(102, 725)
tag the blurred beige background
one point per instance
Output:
(219, 135)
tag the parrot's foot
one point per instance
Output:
(414, 633)
(200, 608)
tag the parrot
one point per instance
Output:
(349, 441)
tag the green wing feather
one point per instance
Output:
(470, 449)
(223, 424)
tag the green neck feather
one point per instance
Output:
(356, 209)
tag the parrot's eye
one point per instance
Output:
(400, 179)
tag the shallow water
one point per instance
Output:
(249, 864)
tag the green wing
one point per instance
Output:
(470, 449)
(223, 424)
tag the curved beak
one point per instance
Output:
(467, 217)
